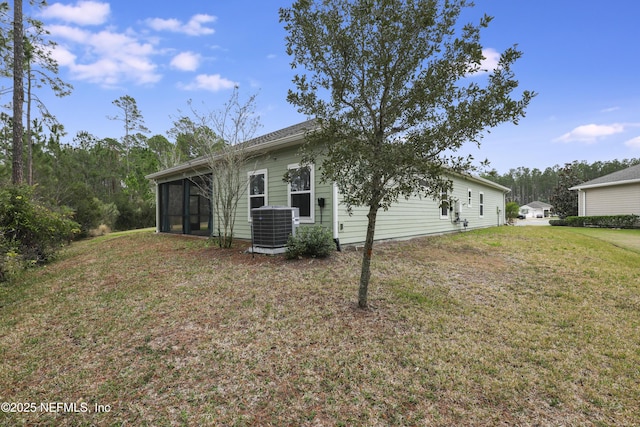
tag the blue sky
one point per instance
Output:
(581, 57)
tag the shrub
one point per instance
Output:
(558, 222)
(86, 208)
(611, 221)
(134, 214)
(30, 233)
(10, 261)
(511, 211)
(316, 242)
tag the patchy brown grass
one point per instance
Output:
(507, 326)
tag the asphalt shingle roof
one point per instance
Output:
(628, 174)
(282, 133)
(297, 129)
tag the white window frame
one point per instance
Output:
(444, 198)
(311, 191)
(266, 189)
(469, 197)
(481, 204)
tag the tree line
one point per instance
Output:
(528, 185)
(102, 180)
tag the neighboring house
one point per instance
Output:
(536, 210)
(615, 194)
(183, 208)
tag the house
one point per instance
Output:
(617, 193)
(536, 210)
(182, 207)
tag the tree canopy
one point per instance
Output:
(397, 87)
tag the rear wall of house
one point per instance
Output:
(422, 215)
(407, 218)
(276, 164)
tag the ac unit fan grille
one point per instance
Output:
(272, 226)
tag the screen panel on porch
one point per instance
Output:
(199, 206)
(185, 209)
(172, 201)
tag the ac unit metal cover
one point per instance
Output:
(272, 225)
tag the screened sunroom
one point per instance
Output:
(185, 206)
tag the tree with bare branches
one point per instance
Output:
(220, 137)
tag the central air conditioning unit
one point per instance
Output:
(271, 227)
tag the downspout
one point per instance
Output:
(158, 207)
(334, 204)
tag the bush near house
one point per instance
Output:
(30, 232)
(315, 242)
(612, 221)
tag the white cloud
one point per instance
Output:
(68, 33)
(210, 82)
(159, 24)
(609, 110)
(490, 61)
(633, 143)
(63, 56)
(488, 64)
(108, 57)
(195, 26)
(82, 13)
(591, 133)
(186, 61)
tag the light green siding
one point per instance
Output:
(414, 217)
(276, 164)
(420, 216)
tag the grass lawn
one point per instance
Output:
(505, 326)
(629, 239)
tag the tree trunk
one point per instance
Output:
(17, 175)
(365, 273)
(29, 136)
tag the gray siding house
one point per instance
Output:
(615, 194)
(183, 208)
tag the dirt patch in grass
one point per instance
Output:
(479, 328)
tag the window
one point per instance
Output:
(301, 191)
(444, 204)
(469, 198)
(481, 205)
(257, 189)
